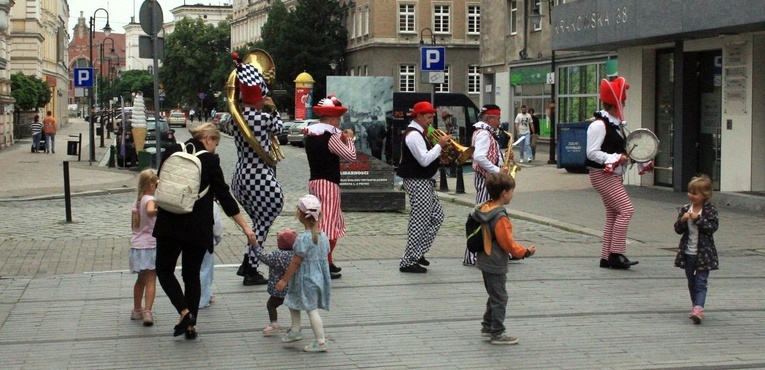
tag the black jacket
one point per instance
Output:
(197, 227)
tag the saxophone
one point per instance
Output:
(510, 165)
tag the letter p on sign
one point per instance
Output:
(83, 77)
(433, 58)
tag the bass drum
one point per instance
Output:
(642, 145)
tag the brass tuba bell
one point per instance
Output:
(265, 64)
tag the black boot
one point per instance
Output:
(620, 261)
(334, 269)
(252, 276)
(245, 261)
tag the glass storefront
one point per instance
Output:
(578, 91)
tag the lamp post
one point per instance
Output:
(107, 31)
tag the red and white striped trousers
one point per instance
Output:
(618, 211)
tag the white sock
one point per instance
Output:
(295, 315)
(317, 325)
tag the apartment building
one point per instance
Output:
(6, 100)
(38, 47)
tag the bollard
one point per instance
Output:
(443, 185)
(67, 197)
(460, 181)
(112, 154)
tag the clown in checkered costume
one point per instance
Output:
(254, 182)
(418, 167)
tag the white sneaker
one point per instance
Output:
(292, 336)
(316, 347)
(521, 160)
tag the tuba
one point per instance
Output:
(462, 153)
(510, 165)
(265, 64)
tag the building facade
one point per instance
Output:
(108, 57)
(696, 80)
(38, 48)
(6, 100)
(248, 17)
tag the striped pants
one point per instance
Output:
(332, 221)
(618, 211)
(481, 196)
(425, 219)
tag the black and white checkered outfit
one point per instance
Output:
(426, 217)
(254, 182)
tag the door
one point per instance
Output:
(711, 117)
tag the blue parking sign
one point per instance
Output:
(432, 58)
(83, 77)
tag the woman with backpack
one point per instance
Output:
(192, 233)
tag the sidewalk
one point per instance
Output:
(29, 175)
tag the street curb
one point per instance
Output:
(528, 217)
(61, 196)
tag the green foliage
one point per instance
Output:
(30, 92)
(197, 60)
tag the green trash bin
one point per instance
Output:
(144, 160)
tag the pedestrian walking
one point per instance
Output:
(143, 248)
(49, 128)
(499, 244)
(192, 233)
(207, 270)
(607, 161)
(192, 112)
(308, 276)
(523, 130)
(697, 222)
(419, 168)
(535, 133)
(36, 126)
(487, 158)
(277, 261)
(325, 146)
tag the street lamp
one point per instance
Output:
(101, 90)
(107, 31)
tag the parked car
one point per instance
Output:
(224, 122)
(177, 118)
(285, 131)
(130, 158)
(295, 136)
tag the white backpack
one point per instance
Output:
(181, 177)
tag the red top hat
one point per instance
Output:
(422, 107)
(329, 107)
(614, 93)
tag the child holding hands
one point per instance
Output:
(697, 253)
(143, 247)
(493, 259)
(308, 275)
(277, 261)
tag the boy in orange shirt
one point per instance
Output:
(493, 260)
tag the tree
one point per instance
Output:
(30, 92)
(306, 40)
(197, 60)
(132, 81)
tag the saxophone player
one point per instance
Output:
(487, 158)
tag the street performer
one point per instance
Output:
(325, 145)
(254, 182)
(487, 158)
(607, 160)
(419, 165)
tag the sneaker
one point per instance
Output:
(271, 329)
(417, 269)
(485, 333)
(521, 160)
(696, 314)
(316, 347)
(504, 339)
(136, 314)
(148, 318)
(292, 336)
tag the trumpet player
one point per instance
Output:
(254, 182)
(419, 166)
(325, 145)
(487, 158)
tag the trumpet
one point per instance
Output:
(454, 150)
(510, 165)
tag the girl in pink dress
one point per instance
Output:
(143, 248)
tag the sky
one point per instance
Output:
(120, 11)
